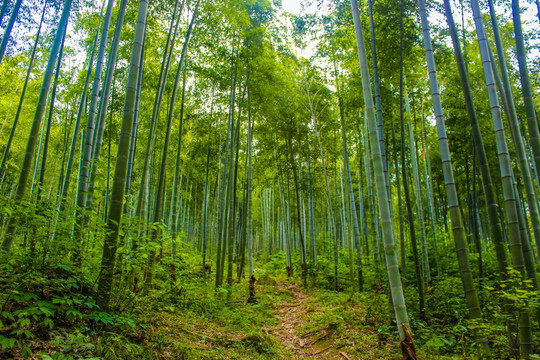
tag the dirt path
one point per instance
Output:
(292, 316)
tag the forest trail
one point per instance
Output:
(286, 322)
(292, 317)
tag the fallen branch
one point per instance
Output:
(345, 355)
(314, 331)
(323, 350)
(314, 341)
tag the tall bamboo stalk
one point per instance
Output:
(429, 194)
(489, 191)
(108, 85)
(356, 230)
(9, 27)
(250, 203)
(158, 210)
(412, 231)
(3, 10)
(163, 75)
(23, 93)
(378, 106)
(117, 195)
(526, 90)
(458, 228)
(38, 116)
(508, 101)
(394, 278)
(419, 205)
(88, 144)
(49, 119)
(507, 175)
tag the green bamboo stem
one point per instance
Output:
(311, 216)
(117, 195)
(419, 205)
(23, 93)
(489, 191)
(250, 196)
(88, 143)
(458, 228)
(108, 84)
(525, 345)
(528, 97)
(508, 101)
(158, 207)
(9, 27)
(384, 210)
(429, 194)
(36, 123)
(356, 229)
(49, 120)
(371, 199)
(163, 75)
(403, 255)
(378, 107)
(3, 10)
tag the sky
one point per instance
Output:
(292, 6)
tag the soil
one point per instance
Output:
(292, 317)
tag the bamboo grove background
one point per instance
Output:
(388, 146)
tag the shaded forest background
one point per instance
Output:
(177, 162)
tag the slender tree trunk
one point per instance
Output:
(88, 144)
(356, 230)
(311, 217)
(378, 107)
(134, 132)
(400, 207)
(163, 75)
(223, 204)
(489, 191)
(300, 233)
(23, 93)
(526, 89)
(250, 204)
(410, 218)
(49, 119)
(38, 116)
(3, 10)
(328, 195)
(537, 2)
(9, 27)
(107, 91)
(525, 335)
(158, 210)
(205, 209)
(458, 228)
(394, 278)
(117, 195)
(508, 101)
(426, 273)
(371, 201)
(429, 193)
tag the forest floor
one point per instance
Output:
(50, 316)
(287, 322)
(292, 317)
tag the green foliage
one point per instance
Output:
(47, 299)
(52, 304)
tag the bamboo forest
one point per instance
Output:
(269, 179)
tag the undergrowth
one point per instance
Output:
(48, 311)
